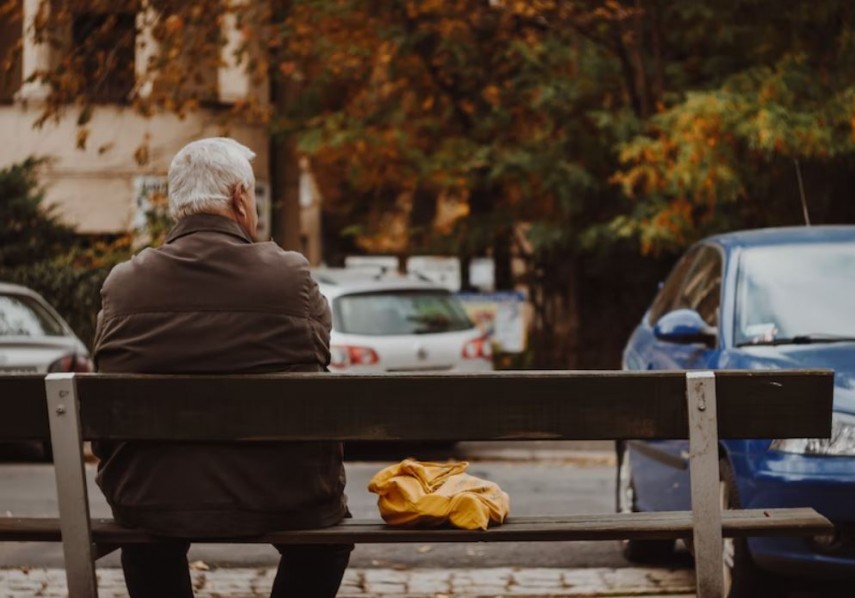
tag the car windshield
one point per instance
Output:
(400, 312)
(796, 293)
(24, 316)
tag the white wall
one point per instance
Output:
(93, 189)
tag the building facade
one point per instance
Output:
(102, 189)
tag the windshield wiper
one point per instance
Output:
(800, 339)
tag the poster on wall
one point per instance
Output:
(500, 315)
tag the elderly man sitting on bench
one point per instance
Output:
(212, 301)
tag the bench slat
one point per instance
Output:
(23, 411)
(517, 405)
(672, 524)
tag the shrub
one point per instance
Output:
(39, 252)
(28, 232)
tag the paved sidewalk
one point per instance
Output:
(390, 583)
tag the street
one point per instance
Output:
(568, 480)
(541, 478)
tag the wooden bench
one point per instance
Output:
(700, 406)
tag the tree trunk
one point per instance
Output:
(284, 174)
(555, 295)
(285, 191)
(422, 215)
(476, 239)
(658, 64)
(503, 277)
(637, 55)
(285, 224)
(465, 274)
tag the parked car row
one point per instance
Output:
(763, 299)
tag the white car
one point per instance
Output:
(34, 339)
(385, 323)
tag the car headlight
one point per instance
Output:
(841, 443)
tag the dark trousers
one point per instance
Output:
(305, 571)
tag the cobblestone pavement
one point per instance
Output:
(390, 583)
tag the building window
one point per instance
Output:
(11, 40)
(104, 45)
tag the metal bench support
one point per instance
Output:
(706, 497)
(64, 417)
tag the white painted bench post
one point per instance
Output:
(703, 468)
(64, 417)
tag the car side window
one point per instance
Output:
(701, 289)
(668, 294)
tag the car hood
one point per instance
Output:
(837, 356)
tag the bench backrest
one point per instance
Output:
(700, 406)
(519, 405)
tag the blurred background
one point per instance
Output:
(545, 159)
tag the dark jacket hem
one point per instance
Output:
(216, 523)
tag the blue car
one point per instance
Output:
(759, 299)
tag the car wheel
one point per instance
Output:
(637, 551)
(742, 578)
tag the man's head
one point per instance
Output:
(214, 176)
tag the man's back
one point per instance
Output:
(212, 302)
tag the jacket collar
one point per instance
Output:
(206, 223)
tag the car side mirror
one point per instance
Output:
(685, 326)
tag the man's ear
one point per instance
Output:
(238, 205)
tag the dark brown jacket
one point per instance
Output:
(212, 302)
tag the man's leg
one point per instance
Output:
(310, 570)
(157, 570)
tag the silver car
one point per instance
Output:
(34, 339)
(390, 323)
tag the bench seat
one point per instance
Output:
(659, 525)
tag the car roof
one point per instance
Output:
(791, 235)
(340, 281)
(7, 287)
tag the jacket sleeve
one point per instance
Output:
(319, 308)
(320, 317)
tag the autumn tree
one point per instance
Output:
(766, 101)
(563, 130)
(592, 122)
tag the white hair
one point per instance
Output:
(204, 174)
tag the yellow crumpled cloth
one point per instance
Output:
(414, 493)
